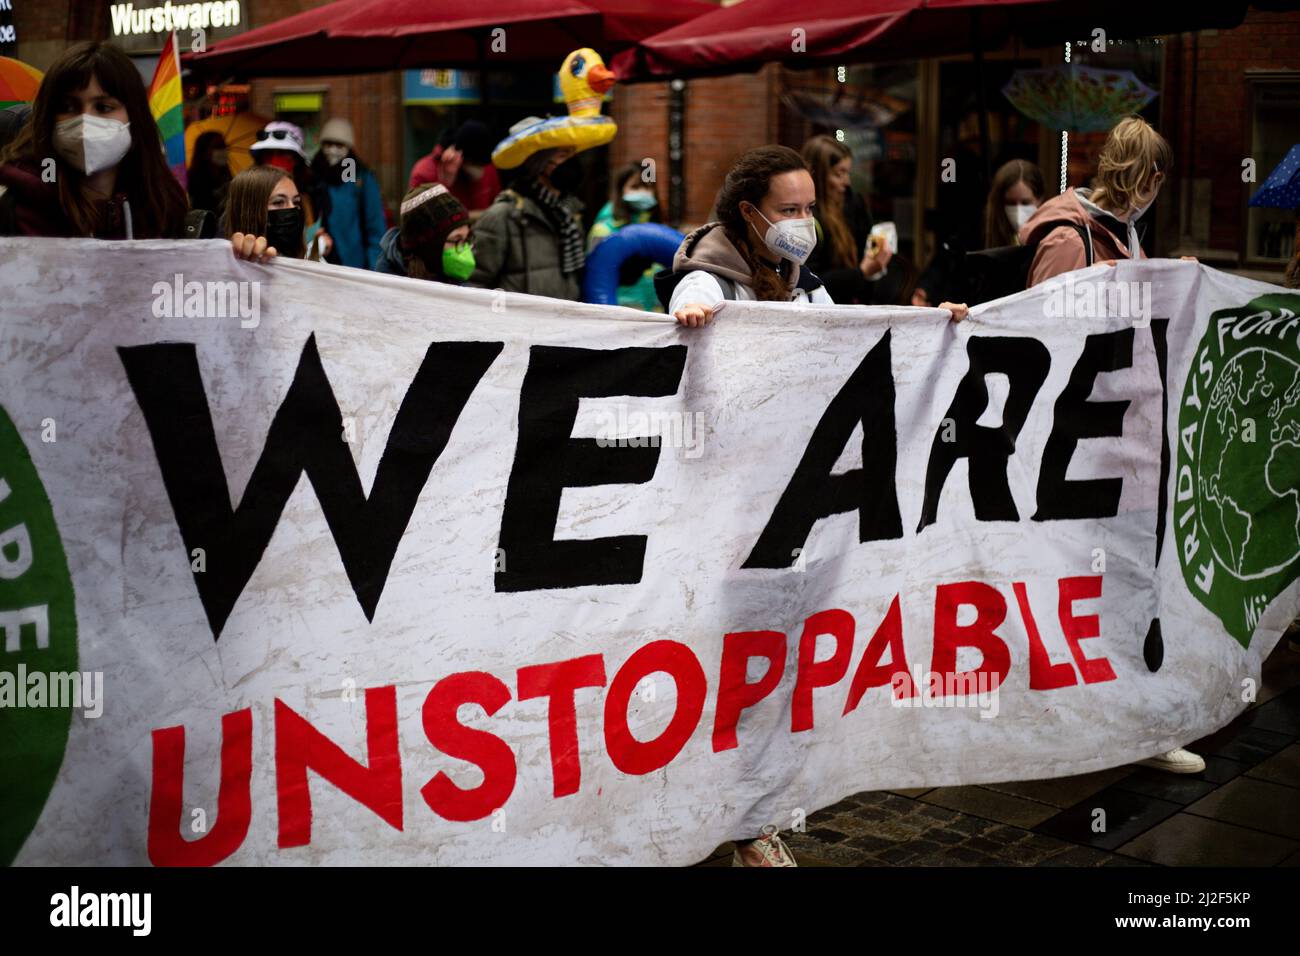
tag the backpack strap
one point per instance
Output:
(1085, 236)
(808, 281)
(200, 224)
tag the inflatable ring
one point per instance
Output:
(577, 133)
(653, 240)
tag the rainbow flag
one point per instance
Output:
(165, 102)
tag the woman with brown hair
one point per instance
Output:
(263, 201)
(756, 248)
(1015, 196)
(842, 256)
(90, 162)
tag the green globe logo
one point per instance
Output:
(38, 636)
(1237, 490)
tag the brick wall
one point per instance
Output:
(1210, 134)
(42, 30)
(372, 103)
(724, 117)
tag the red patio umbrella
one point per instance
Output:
(752, 33)
(361, 36)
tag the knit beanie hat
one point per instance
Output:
(429, 214)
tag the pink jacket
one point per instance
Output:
(1060, 248)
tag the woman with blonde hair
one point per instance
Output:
(1085, 226)
(841, 257)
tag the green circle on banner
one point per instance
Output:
(1237, 482)
(38, 644)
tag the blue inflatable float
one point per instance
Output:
(653, 240)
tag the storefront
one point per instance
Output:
(141, 29)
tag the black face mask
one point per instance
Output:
(284, 230)
(567, 176)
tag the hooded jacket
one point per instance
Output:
(517, 248)
(1061, 249)
(706, 254)
(352, 211)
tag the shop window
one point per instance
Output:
(871, 108)
(1274, 129)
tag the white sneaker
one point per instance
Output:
(1177, 760)
(765, 851)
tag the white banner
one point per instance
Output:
(307, 565)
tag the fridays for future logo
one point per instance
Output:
(1237, 487)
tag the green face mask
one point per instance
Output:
(458, 261)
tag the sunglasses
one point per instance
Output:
(263, 134)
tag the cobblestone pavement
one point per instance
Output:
(1243, 810)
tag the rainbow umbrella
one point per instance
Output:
(1078, 98)
(18, 82)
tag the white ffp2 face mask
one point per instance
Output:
(792, 239)
(92, 143)
(1019, 214)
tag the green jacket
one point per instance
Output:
(517, 249)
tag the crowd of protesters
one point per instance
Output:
(788, 225)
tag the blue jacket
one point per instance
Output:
(356, 220)
(390, 260)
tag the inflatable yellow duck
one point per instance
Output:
(584, 80)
